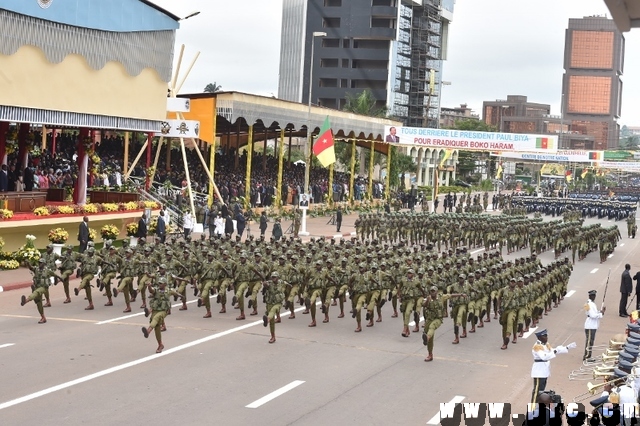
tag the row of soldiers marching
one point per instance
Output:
(319, 273)
(610, 209)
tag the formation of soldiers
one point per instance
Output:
(413, 277)
(609, 209)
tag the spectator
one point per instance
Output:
(187, 224)
(161, 228)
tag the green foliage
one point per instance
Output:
(364, 103)
(343, 155)
(466, 162)
(212, 88)
(400, 165)
(470, 124)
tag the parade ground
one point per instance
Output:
(95, 367)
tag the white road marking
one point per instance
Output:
(477, 251)
(621, 245)
(610, 256)
(275, 394)
(1, 289)
(133, 363)
(6, 345)
(141, 313)
(570, 293)
(435, 420)
(413, 323)
(530, 332)
(594, 270)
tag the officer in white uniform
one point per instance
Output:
(591, 324)
(543, 353)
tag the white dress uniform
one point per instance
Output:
(591, 324)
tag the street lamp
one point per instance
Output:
(307, 143)
(191, 15)
(442, 83)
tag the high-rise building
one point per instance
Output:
(394, 48)
(591, 86)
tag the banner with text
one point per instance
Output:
(470, 140)
(561, 156)
(625, 166)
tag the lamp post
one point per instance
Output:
(307, 144)
(442, 83)
(191, 15)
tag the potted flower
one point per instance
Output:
(93, 235)
(132, 230)
(58, 237)
(109, 232)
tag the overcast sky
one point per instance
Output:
(496, 48)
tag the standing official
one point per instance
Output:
(591, 324)
(543, 353)
(83, 234)
(626, 287)
(338, 219)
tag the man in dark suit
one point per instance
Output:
(142, 227)
(391, 137)
(338, 219)
(161, 228)
(83, 234)
(13, 177)
(626, 288)
(28, 177)
(4, 179)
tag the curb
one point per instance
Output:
(16, 286)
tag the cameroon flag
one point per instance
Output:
(323, 148)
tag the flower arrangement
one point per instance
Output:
(66, 210)
(9, 264)
(90, 208)
(153, 225)
(109, 232)
(110, 207)
(93, 234)
(1, 243)
(41, 211)
(58, 236)
(131, 205)
(30, 240)
(150, 205)
(35, 152)
(6, 214)
(132, 229)
(27, 254)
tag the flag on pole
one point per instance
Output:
(446, 156)
(323, 147)
(499, 171)
(584, 173)
(569, 175)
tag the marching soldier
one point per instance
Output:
(67, 266)
(88, 269)
(127, 274)
(274, 295)
(160, 305)
(434, 306)
(41, 280)
(458, 306)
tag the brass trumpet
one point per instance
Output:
(591, 390)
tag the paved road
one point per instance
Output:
(79, 369)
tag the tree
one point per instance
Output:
(212, 88)
(470, 124)
(364, 104)
(343, 154)
(400, 165)
(630, 142)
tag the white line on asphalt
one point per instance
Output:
(529, 333)
(610, 256)
(621, 244)
(435, 420)
(1, 289)
(275, 394)
(594, 270)
(570, 293)
(140, 313)
(6, 345)
(133, 363)
(477, 251)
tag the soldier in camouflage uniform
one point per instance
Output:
(274, 296)
(41, 281)
(160, 305)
